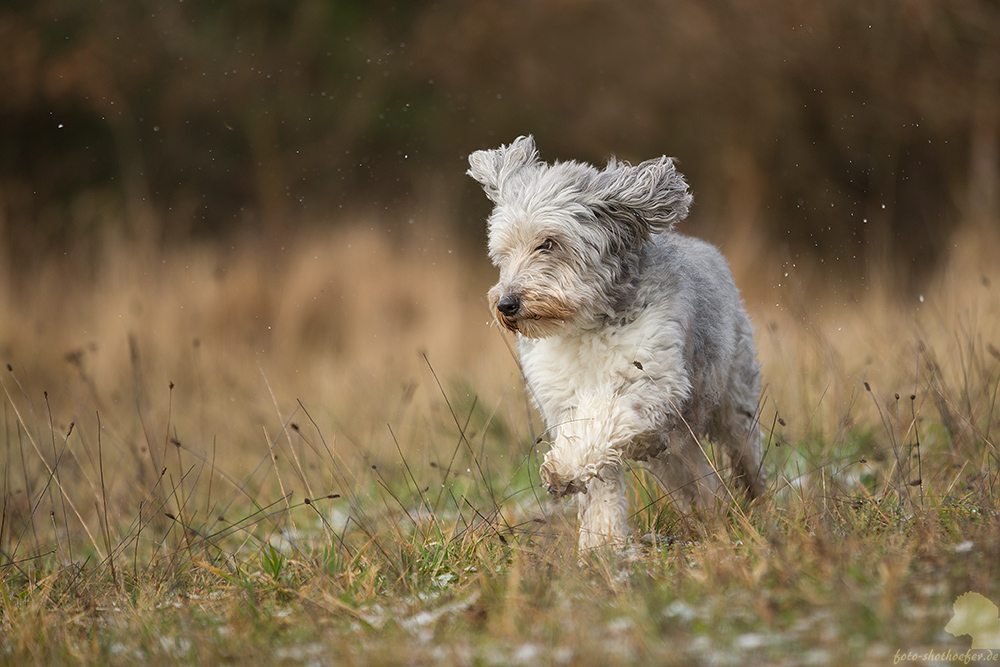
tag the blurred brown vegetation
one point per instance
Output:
(859, 133)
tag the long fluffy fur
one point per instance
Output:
(633, 339)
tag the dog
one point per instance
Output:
(632, 338)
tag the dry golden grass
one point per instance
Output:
(174, 424)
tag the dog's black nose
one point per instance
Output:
(509, 305)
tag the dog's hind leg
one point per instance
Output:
(603, 510)
(686, 476)
(742, 443)
(736, 419)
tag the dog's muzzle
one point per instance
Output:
(527, 312)
(508, 307)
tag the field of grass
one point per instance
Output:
(322, 454)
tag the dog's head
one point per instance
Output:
(567, 237)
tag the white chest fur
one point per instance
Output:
(563, 370)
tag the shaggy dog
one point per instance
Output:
(632, 338)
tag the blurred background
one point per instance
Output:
(181, 181)
(854, 132)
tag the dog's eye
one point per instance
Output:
(546, 246)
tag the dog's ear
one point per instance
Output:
(652, 196)
(494, 168)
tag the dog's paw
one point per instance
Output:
(560, 484)
(569, 488)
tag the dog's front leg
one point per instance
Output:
(596, 476)
(586, 459)
(603, 510)
(581, 451)
(597, 433)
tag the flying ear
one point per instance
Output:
(652, 196)
(494, 168)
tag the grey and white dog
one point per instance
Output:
(632, 338)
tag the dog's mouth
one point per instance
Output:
(523, 318)
(508, 323)
(530, 325)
